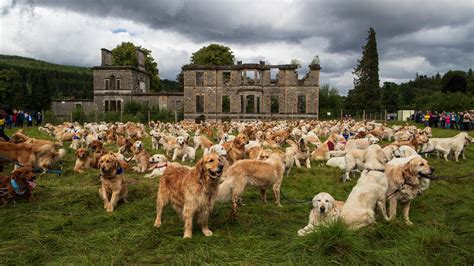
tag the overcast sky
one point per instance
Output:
(412, 36)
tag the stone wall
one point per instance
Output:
(253, 80)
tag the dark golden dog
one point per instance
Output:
(20, 184)
(192, 191)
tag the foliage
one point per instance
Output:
(31, 84)
(78, 115)
(67, 224)
(454, 81)
(213, 54)
(125, 55)
(296, 62)
(366, 93)
(390, 97)
(330, 102)
(316, 60)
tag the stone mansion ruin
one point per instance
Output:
(250, 91)
(236, 92)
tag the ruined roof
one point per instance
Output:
(120, 68)
(260, 66)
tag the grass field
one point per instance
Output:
(66, 224)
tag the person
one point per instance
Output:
(3, 114)
(29, 119)
(447, 122)
(467, 121)
(442, 119)
(20, 118)
(454, 120)
(39, 119)
(427, 119)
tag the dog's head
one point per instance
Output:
(181, 141)
(96, 146)
(241, 140)
(107, 164)
(25, 178)
(82, 153)
(415, 169)
(137, 146)
(264, 154)
(219, 149)
(211, 165)
(158, 158)
(323, 202)
(18, 137)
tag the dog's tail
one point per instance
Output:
(225, 190)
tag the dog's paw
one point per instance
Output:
(157, 224)
(188, 235)
(110, 208)
(409, 223)
(207, 232)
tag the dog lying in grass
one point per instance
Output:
(325, 209)
(19, 185)
(191, 191)
(113, 183)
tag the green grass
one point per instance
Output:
(67, 224)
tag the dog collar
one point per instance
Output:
(17, 188)
(75, 137)
(119, 170)
(379, 170)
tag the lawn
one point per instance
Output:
(66, 224)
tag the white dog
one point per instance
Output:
(369, 192)
(183, 151)
(325, 209)
(158, 163)
(155, 139)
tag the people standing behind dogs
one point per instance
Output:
(3, 114)
(39, 118)
(29, 119)
(20, 118)
(427, 118)
(447, 122)
(467, 121)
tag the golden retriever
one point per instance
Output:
(262, 174)
(369, 192)
(405, 182)
(83, 161)
(20, 184)
(236, 148)
(113, 183)
(192, 191)
(141, 156)
(325, 209)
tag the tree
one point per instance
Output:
(125, 55)
(329, 101)
(296, 62)
(213, 54)
(390, 96)
(454, 81)
(366, 93)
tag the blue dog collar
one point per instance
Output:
(119, 170)
(17, 188)
(75, 137)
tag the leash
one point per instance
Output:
(294, 201)
(35, 169)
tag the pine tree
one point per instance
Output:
(366, 93)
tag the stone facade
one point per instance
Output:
(114, 86)
(250, 91)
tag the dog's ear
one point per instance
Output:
(200, 166)
(259, 155)
(409, 173)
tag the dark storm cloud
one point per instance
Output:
(405, 29)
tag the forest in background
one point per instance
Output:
(32, 84)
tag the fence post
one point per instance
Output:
(71, 117)
(363, 115)
(385, 117)
(148, 116)
(121, 116)
(341, 115)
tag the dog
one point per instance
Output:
(183, 151)
(369, 192)
(113, 186)
(83, 161)
(192, 191)
(261, 174)
(19, 185)
(236, 148)
(141, 156)
(325, 210)
(299, 151)
(158, 164)
(155, 139)
(405, 182)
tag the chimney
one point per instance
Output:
(262, 63)
(106, 57)
(140, 59)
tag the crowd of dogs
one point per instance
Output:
(237, 155)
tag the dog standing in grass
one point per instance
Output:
(113, 186)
